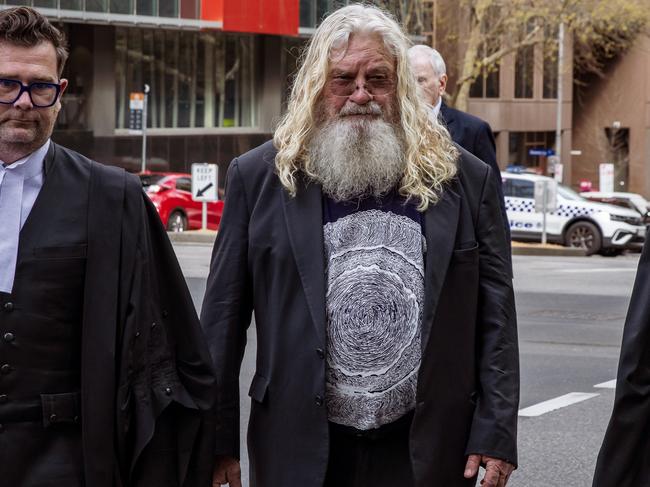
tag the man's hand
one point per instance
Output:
(226, 471)
(497, 472)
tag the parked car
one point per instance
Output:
(632, 201)
(171, 194)
(576, 222)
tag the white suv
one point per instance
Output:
(576, 222)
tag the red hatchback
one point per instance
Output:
(171, 194)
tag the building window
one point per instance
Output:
(486, 85)
(313, 11)
(521, 144)
(550, 62)
(197, 79)
(525, 66)
(524, 72)
(44, 3)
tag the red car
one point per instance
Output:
(171, 194)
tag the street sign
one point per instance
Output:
(546, 187)
(136, 109)
(606, 178)
(541, 152)
(204, 182)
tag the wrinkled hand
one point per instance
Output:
(226, 471)
(497, 472)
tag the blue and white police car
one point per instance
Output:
(576, 222)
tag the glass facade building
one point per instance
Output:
(217, 87)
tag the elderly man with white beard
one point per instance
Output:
(373, 254)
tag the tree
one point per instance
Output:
(493, 29)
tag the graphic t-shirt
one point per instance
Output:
(374, 250)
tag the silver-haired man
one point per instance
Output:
(470, 132)
(380, 283)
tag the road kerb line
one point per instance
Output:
(556, 403)
(610, 384)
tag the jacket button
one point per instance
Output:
(8, 337)
(9, 306)
(319, 400)
(5, 369)
(320, 353)
(168, 391)
(53, 418)
(4, 399)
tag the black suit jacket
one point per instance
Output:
(624, 458)
(269, 258)
(475, 135)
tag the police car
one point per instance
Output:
(577, 222)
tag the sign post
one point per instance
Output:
(205, 178)
(144, 128)
(606, 178)
(545, 200)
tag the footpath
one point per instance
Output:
(518, 248)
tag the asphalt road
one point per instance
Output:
(570, 313)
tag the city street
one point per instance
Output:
(570, 312)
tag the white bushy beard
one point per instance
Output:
(353, 157)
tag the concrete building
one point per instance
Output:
(518, 98)
(612, 122)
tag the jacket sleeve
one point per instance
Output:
(494, 426)
(485, 149)
(624, 458)
(166, 392)
(227, 308)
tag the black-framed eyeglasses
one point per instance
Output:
(42, 94)
(344, 86)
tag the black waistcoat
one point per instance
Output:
(40, 330)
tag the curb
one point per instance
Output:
(549, 251)
(193, 236)
(208, 237)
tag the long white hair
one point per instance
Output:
(429, 152)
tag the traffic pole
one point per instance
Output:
(545, 199)
(144, 128)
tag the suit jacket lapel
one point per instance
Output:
(447, 118)
(440, 223)
(303, 215)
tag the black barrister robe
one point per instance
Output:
(624, 459)
(147, 384)
(269, 258)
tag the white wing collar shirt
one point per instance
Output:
(20, 183)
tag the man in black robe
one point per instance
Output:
(104, 377)
(624, 458)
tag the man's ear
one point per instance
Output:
(64, 84)
(443, 84)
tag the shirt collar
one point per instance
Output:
(30, 165)
(435, 110)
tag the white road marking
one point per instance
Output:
(610, 384)
(556, 403)
(597, 269)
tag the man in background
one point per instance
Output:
(468, 131)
